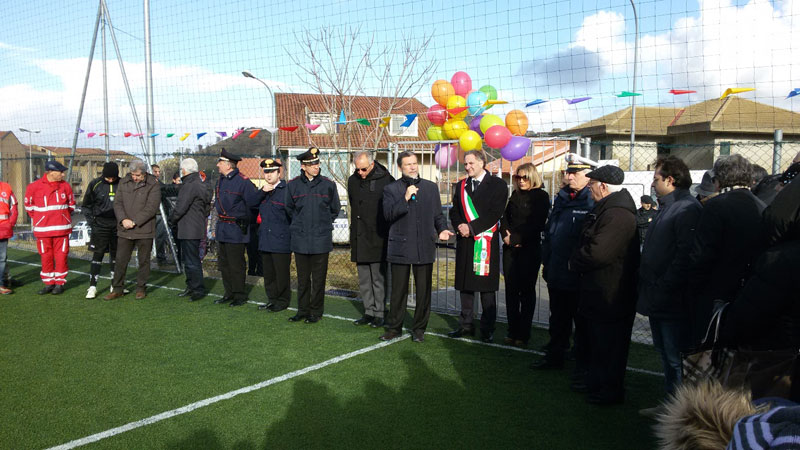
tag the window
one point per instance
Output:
(396, 130)
(325, 122)
(724, 148)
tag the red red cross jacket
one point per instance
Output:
(50, 205)
(8, 211)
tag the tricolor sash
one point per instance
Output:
(482, 250)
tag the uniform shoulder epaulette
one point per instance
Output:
(243, 176)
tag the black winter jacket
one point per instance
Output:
(312, 206)
(562, 236)
(414, 225)
(192, 207)
(98, 203)
(368, 227)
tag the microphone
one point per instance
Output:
(413, 197)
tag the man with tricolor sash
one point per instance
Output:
(478, 204)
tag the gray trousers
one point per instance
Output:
(371, 287)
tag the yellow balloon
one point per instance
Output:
(517, 122)
(470, 140)
(441, 91)
(435, 133)
(457, 101)
(488, 121)
(454, 128)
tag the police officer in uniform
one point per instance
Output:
(98, 207)
(232, 194)
(273, 237)
(313, 204)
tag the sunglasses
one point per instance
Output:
(365, 169)
(520, 177)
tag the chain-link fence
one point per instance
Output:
(547, 154)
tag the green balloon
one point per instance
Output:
(435, 133)
(491, 93)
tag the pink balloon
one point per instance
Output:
(446, 156)
(497, 136)
(437, 114)
(516, 148)
(462, 83)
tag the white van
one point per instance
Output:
(80, 235)
(341, 226)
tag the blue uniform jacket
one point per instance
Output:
(233, 193)
(312, 206)
(562, 237)
(273, 233)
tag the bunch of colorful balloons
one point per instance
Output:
(460, 113)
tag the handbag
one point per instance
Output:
(708, 361)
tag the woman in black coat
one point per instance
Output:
(521, 228)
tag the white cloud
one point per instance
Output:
(10, 47)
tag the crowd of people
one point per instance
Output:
(602, 259)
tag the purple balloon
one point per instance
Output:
(516, 148)
(475, 125)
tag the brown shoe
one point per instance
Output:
(112, 295)
(389, 335)
(140, 294)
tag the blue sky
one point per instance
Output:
(526, 49)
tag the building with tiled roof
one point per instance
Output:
(88, 164)
(698, 133)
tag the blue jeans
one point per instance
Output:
(190, 255)
(3, 262)
(670, 337)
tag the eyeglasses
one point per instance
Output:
(520, 177)
(365, 169)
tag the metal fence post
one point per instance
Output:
(777, 146)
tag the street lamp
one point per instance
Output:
(274, 109)
(30, 151)
(635, 74)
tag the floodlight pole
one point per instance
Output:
(274, 109)
(635, 75)
(148, 68)
(106, 138)
(30, 151)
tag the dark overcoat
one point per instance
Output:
(562, 236)
(414, 225)
(489, 200)
(607, 259)
(191, 208)
(368, 227)
(273, 233)
(233, 192)
(312, 206)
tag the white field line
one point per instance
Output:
(469, 341)
(210, 401)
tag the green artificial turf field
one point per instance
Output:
(72, 368)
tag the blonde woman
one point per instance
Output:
(521, 228)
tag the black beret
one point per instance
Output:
(110, 170)
(608, 175)
(227, 156)
(55, 166)
(646, 199)
(270, 164)
(309, 157)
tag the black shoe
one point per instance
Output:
(58, 290)
(377, 322)
(12, 283)
(364, 320)
(312, 319)
(546, 363)
(267, 306)
(195, 296)
(461, 332)
(487, 337)
(296, 318)
(47, 289)
(275, 308)
(222, 300)
(600, 398)
(238, 302)
(185, 293)
(418, 336)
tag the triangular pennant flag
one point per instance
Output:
(795, 91)
(731, 91)
(342, 119)
(312, 126)
(237, 133)
(572, 101)
(409, 120)
(538, 101)
(288, 128)
(254, 133)
(154, 134)
(385, 122)
(114, 135)
(169, 135)
(126, 134)
(494, 102)
(681, 91)
(222, 133)
(271, 130)
(91, 134)
(199, 135)
(628, 94)
(457, 111)
(363, 121)
(183, 138)
(80, 130)
(102, 134)
(137, 135)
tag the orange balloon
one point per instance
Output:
(441, 91)
(517, 122)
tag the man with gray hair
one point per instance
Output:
(368, 233)
(607, 260)
(189, 215)
(135, 207)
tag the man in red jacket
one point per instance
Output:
(8, 217)
(50, 202)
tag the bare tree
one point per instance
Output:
(335, 63)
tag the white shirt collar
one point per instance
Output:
(480, 178)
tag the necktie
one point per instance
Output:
(475, 184)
